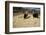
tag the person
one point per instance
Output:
(26, 14)
(35, 15)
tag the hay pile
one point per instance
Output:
(19, 21)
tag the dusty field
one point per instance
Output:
(19, 21)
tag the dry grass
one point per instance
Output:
(19, 21)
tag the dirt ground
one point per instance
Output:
(19, 21)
